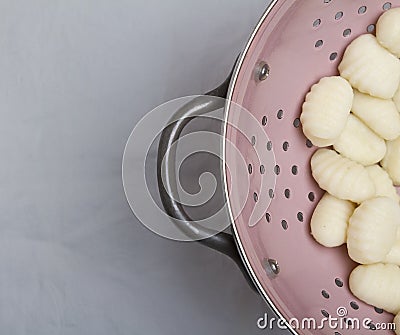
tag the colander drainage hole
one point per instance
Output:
(354, 305)
(296, 123)
(319, 43)
(325, 313)
(325, 294)
(333, 56)
(362, 10)
(338, 282)
(348, 321)
(269, 145)
(285, 146)
(295, 170)
(371, 28)
(337, 333)
(311, 196)
(262, 169)
(285, 225)
(271, 193)
(268, 217)
(371, 326)
(378, 310)
(300, 216)
(279, 115)
(277, 170)
(250, 169)
(253, 141)
(255, 197)
(387, 6)
(347, 32)
(338, 15)
(287, 193)
(316, 23)
(264, 120)
(309, 144)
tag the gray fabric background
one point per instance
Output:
(75, 77)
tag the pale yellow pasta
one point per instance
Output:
(396, 321)
(359, 143)
(326, 109)
(383, 184)
(388, 30)
(373, 230)
(341, 177)
(393, 257)
(378, 114)
(330, 220)
(377, 285)
(371, 68)
(396, 99)
(391, 161)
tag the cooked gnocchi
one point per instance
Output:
(380, 115)
(370, 68)
(341, 177)
(363, 166)
(396, 99)
(373, 230)
(388, 31)
(359, 143)
(377, 285)
(396, 321)
(391, 161)
(383, 184)
(393, 257)
(324, 125)
(330, 220)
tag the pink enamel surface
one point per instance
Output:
(286, 41)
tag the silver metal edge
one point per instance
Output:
(227, 106)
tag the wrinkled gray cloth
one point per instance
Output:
(75, 77)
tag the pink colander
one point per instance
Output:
(296, 43)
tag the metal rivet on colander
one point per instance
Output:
(271, 267)
(262, 71)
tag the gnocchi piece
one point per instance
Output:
(330, 220)
(393, 257)
(377, 285)
(388, 31)
(370, 68)
(372, 230)
(359, 143)
(383, 184)
(341, 177)
(326, 109)
(396, 99)
(380, 115)
(391, 161)
(396, 321)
